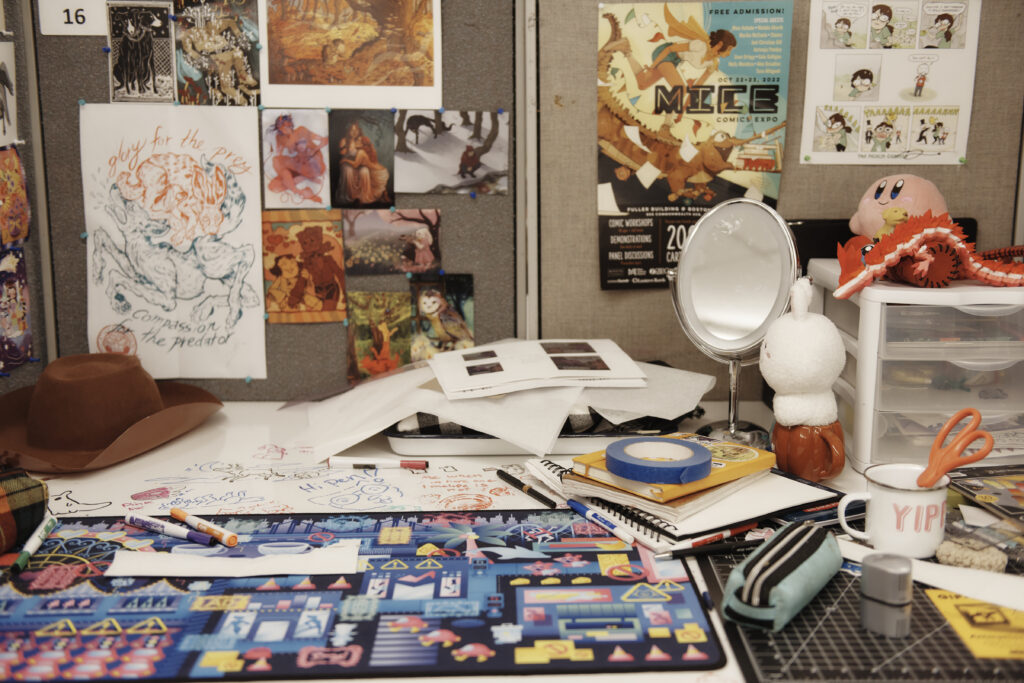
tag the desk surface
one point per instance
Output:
(249, 459)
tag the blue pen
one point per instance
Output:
(600, 520)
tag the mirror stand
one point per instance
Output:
(733, 429)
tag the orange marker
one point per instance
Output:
(226, 537)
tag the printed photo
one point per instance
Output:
(217, 52)
(378, 333)
(141, 39)
(362, 157)
(402, 241)
(15, 210)
(295, 159)
(443, 314)
(302, 266)
(15, 323)
(451, 151)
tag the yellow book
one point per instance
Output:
(729, 461)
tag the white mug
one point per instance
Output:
(902, 517)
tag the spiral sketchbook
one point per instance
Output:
(765, 496)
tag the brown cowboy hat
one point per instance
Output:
(93, 410)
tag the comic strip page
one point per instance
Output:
(889, 83)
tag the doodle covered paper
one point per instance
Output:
(173, 222)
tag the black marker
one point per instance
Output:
(526, 488)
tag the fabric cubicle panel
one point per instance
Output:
(642, 321)
(477, 235)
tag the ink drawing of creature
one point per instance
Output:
(6, 86)
(142, 56)
(171, 215)
(450, 328)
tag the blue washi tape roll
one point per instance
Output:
(658, 460)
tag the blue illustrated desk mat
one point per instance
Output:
(438, 593)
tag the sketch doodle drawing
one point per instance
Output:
(172, 213)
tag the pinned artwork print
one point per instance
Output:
(402, 241)
(332, 53)
(442, 314)
(15, 327)
(15, 212)
(172, 218)
(8, 96)
(302, 271)
(445, 152)
(141, 44)
(378, 333)
(217, 52)
(295, 159)
(362, 158)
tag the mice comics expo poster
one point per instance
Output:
(691, 111)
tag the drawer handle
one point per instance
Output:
(990, 310)
(984, 364)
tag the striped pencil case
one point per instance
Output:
(777, 580)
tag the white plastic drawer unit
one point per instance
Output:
(991, 331)
(919, 356)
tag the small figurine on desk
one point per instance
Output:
(903, 232)
(801, 357)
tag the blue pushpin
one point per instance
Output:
(248, 380)
(84, 235)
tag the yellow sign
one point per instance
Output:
(989, 631)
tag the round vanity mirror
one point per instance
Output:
(732, 281)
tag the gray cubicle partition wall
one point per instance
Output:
(642, 322)
(36, 247)
(477, 234)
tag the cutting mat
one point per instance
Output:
(826, 641)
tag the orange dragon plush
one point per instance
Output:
(916, 245)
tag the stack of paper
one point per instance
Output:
(530, 419)
(521, 365)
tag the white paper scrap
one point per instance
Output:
(1006, 590)
(338, 558)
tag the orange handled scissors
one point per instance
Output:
(943, 457)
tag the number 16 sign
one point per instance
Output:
(72, 18)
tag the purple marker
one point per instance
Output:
(167, 529)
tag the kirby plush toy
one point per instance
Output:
(891, 200)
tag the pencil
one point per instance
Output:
(526, 488)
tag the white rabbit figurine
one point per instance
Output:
(801, 357)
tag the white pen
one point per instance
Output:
(348, 462)
(596, 517)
